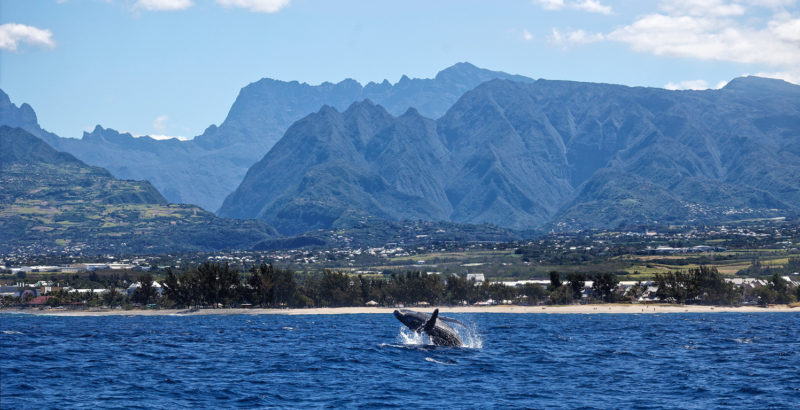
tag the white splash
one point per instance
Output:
(409, 338)
(468, 334)
(471, 338)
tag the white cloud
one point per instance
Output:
(694, 85)
(702, 8)
(792, 76)
(160, 130)
(773, 4)
(526, 35)
(163, 5)
(575, 37)
(593, 6)
(550, 4)
(260, 6)
(164, 137)
(711, 30)
(786, 28)
(160, 124)
(711, 39)
(688, 85)
(716, 30)
(13, 34)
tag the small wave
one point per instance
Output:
(391, 345)
(743, 340)
(11, 332)
(287, 328)
(432, 360)
(407, 347)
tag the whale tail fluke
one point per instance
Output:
(432, 321)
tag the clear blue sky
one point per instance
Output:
(173, 67)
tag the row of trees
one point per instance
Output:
(214, 284)
(705, 285)
(221, 285)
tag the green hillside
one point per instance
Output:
(51, 200)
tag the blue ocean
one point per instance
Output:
(370, 360)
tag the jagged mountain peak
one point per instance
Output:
(458, 70)
(411, 112)
(108, 134)
(259, 116)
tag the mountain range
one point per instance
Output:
(555, 154)
(52, 200)
(473, 146)
(204, 170)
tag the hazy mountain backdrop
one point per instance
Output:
(542, 154)
(473, 146)
(203, 171)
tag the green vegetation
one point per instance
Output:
(214, 285)
(81, 207)
(698, 285)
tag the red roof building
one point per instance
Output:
(39, 300)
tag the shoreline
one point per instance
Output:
(557, 309)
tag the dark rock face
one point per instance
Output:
(525, 155)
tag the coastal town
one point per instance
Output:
(750, 258)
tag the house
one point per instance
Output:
(39, 301)
(19, 291)
(477, 277)
(543, 283)
(135, 285)
(95, 291)
(9, 291)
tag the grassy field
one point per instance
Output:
(506, 265)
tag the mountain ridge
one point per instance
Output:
(544, 154)
(51, 200)
(205, 169)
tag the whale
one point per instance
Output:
(434, 326)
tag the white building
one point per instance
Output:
(477, 277)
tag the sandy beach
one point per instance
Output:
(568, 309)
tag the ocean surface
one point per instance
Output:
(513, 360)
